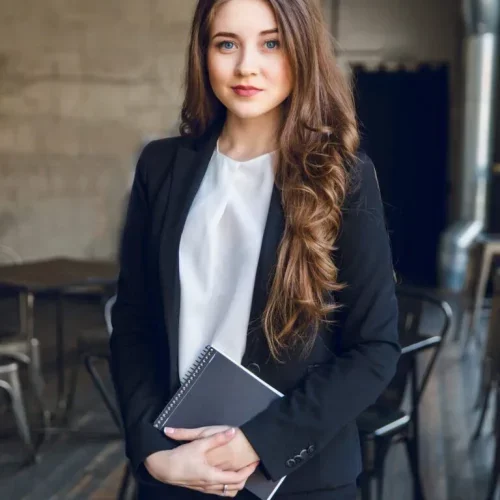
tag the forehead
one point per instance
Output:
(243, 17)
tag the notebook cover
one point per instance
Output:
(219, 391)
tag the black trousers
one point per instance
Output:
(347, 492)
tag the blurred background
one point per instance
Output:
(84, 85)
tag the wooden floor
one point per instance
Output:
(86, 462)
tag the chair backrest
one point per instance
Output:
(413, 306)
(107, 313)
(9, 256)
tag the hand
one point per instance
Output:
(233, 455)
(187, 466)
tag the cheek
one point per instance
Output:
(218, 70)
(281, 76)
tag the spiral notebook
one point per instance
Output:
(219, 391)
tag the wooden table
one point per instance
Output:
(53, 277)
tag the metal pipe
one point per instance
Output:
(482, 18)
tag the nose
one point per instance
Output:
(248, 63)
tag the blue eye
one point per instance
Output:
(225, 43)
(275, 42)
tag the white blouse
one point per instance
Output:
(218, 255)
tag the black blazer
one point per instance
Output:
(310, 435)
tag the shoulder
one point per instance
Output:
(363, 219)
(159, 149)
(158, 154)
(156, 159)
(363, 189)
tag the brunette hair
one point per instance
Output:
(318, 141)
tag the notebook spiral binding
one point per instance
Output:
(203, 359)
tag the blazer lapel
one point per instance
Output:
(188, 170)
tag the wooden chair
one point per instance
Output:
(490, 367)
(480, 265)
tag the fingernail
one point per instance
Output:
(169, 430)
(230, 432)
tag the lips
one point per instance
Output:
(246, 91)
(245, 87)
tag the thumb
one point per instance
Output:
(218, 439)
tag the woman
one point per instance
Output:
(259, 230)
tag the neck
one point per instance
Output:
(243, 139)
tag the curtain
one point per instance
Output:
(403, 119)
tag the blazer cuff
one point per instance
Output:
(144, 439)
(274, 463)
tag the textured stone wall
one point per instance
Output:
(83, 83)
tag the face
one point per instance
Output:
(248, 69)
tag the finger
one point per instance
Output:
(219, 439)
(218, 489)
(247, 471)
(215, 490)
(237, 487)
(230, 492)
(254, 465)
(214, 429)
(231, 478)
(183, 434)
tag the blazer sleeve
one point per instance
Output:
(311, 414)
(132, 358)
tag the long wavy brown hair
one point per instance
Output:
(318, 142)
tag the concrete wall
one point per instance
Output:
(83, 83)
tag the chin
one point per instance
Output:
(249, 111)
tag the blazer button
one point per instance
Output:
(290, 462)
(304, 454)
(311, 449)
(254, 367)
(297, 459)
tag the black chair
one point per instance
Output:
(92, 348)
(386, 421)
(90, 356)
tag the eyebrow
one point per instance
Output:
(234, 35)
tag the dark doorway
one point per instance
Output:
(404, 124)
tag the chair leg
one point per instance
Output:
(135, 493)
(413, 458)
(124, 484)
(379, 481)
(365, 486)
(36, 378)
(13, 387)
(463, 317)
(482, 414)
(365, 478)
(484, 268)
(495, 470)
(70, 399)
(36, 365)
(382, 447)
(108, 400)
(485, 381)
(495, 473)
